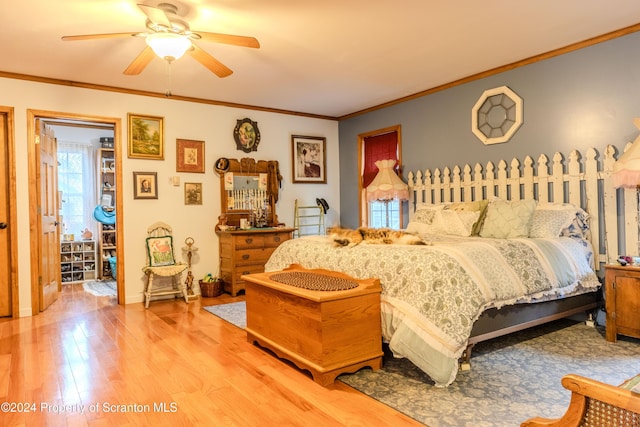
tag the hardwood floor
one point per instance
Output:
(88, 361)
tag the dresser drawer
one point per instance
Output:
(252, 256)
(273, 240)
(247, 269)
(254, 241)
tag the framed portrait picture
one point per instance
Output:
(309, 159)
(189, 156)
(146, 137)
(145, 185)
(192, 193)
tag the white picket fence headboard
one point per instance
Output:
(584, 181)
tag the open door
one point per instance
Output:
(6, 285)
(49, 281)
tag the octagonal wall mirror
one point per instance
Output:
(497, 115)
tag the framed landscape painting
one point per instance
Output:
(146, 137)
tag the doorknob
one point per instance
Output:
(3, 225)
(55, 223)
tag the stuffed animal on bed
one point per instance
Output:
(382, 236)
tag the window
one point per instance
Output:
(378, 145)
(76, 182)
(384, 214)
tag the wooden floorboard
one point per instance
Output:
(86, 361)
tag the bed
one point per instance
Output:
(508, 259)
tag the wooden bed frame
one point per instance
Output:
(582, 181)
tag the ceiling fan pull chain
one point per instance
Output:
(168, 92)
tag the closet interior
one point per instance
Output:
(87, 194)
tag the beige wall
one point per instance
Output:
(213, 124)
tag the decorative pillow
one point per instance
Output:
(549, 220)
(417, 227)
(443, 221)
(425, 215)
(579, 227)
(457, 218)
(457, 223)
(475, 206)
(508, 219)
(160, 251)
(479, 206)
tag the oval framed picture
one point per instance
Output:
(246, 135)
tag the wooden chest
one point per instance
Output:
(246, 252)
(325, 332)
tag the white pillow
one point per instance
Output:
(508, 219)
(550, 219)
(457, 223)
(443, 221)
(425, 215)
(417, 227)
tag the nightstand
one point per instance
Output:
(622, 299)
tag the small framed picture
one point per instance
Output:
(145, 185)
(189, 156)
(192, 193)
(309, 159)
(146, 137)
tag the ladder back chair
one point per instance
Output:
(161, 262)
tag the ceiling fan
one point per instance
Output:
(166, 32)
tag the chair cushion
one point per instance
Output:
(160, 251)
(166, 270)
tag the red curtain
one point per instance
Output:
(378, 147)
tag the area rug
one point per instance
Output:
(105, 288)
(234, 313)
(512, 379)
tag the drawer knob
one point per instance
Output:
(249, 240)
(276, 239)
(245, 256)
(246, 272)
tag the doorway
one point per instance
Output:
(86, 171)
(38, 263)
(9, 301)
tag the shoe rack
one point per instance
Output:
(106, 233)
(78, 261)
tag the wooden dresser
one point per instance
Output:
(246, 252)
(622, 298)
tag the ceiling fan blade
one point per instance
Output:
(98, 36)
(230, 39)
(140, 62)
(217, 67)
(155, 15)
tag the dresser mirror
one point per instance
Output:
(249, 192)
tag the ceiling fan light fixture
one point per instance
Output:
(168, 46)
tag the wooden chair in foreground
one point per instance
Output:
(595, 404)
(161, 262)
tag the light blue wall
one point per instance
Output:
(586, 98)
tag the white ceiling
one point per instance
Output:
(328, 58)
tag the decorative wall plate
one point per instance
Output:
(247, 135)
(497, 115)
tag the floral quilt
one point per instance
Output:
(433, 293)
